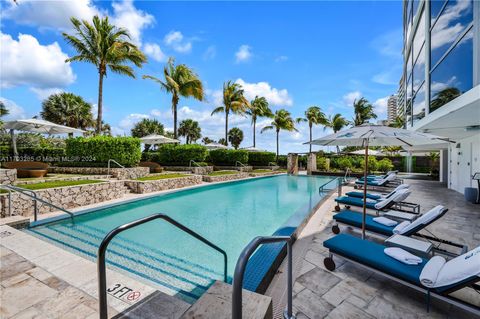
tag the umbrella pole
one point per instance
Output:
(364, 216)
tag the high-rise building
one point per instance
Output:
(392, 108)
(441, 81)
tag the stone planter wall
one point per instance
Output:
(73, 178)
(224, 178)
(119, 173)
(65, 197)
(8, 176)
(267, 167)
(235, 168)
(265, 174)
(203, 170)
(142, 187)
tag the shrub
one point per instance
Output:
(97, 150)
(282, 160)
(35, 153)
(173, 155)
(344, 163)
(372, 163)
(261, 158)
(321, 163)
(228, 157)
(385, 165)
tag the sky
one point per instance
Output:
(296, 54)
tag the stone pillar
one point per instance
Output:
(311, 163)
(292, 164)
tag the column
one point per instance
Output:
(311, 163)
(292, 164)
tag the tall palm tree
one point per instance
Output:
(282, 120)
(233, 101)
(313, 115)
(67, 109)
(190, 129)
(444, 96)
(337, 123)
(235, 137)
(180, 80)
(105, 46)
(363, 111)
(258, 108)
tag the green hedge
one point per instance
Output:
(173, 155)
(37, 153)
(228, 157)
(97, 150)
(261, 158)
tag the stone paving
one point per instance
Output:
(353, 292)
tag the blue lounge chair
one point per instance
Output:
(458, 273)
(387, 181)
(376, 196)
(381, 204)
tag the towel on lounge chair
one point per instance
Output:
(385, 221)
(430, 272)
(400, 227)
(402, 255)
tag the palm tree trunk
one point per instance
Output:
(226, 128)
(174, 107)
(254, 122)
(278, 133)
(100, 103)
(310, 145)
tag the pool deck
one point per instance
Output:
(351, 291)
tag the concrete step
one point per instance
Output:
(217, 303)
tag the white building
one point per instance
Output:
(392, 108)
(441, 81)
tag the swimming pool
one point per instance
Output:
(229, 214)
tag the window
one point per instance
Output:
(419, 38)
(435, 7)
(451, 23)
(419, 104)
(409, 100)
(419, 71)
(454, 75)
(415, 8)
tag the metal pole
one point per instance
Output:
(289, 281)
(364, 216)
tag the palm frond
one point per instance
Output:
(219, 109)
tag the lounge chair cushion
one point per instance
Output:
(459, 269)
(355, 219)
(424, 220)
(360, 195)
(371, 254)
(354, 201)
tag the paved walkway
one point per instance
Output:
(351, 291)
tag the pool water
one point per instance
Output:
(230, 215)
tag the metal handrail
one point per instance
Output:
(101, 267)
(192, 161)
(347, 172)
(321, 187)
(108, 165)
(240, 271)
(36, 199)
(241, 164)
(273, 164)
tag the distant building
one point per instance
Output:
(392, 108)
(440, 86)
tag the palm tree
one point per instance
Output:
(233, 101)
(235, 137)
(67, 109)
(258, 108)
(207, 140)
(282, 120)
(222, 141)
(398, 122)
(3, 109)
(363, 111)
(146, 127)
(337, 123)
(180, 80)
(190, 130)
(105, 46)
(313, 115)
(443, 97)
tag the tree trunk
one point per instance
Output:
(310, 145)
(100, 103)
(278, 132)
(226, 128)
(254, 122)
(174, 107)
(14, 143)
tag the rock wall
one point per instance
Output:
(119, 173)
(65, 197)
(236, 168)
(203, 170)
(8, 176)
(142, 187)
(253, 174)
(224, 178)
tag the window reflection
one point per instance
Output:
(435, 7)
(419, 71)
(419, 38)
(419, 104)
(449, 26)
(409, 99)
(454, 75)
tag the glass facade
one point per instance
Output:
(449, 25)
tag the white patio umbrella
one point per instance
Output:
(253, 149)
(153, 139)
(216, 146)
(370, 153)
(36, 126)
(376, 135)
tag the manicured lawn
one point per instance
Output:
(219, 173)
(163, 176)
(53, 184)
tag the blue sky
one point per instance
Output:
(297, 54)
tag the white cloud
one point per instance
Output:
(154, 51)
(128, 121)
(243, 54)
(350, 97)
(380, 105)
(388, 77)
(215, 97)
(177, 42)
(27, 62)
(278, 97)
(210, 53)
(448, 28)
(281, 58)
(15, 111)
(42, 94)
(134, 20)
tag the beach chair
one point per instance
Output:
(387, 181)
(382, 204)
(377, 196)
(434, 277)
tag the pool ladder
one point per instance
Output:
(101, 266)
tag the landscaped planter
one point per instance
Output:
(65, 197)
(142, 187)
(224, 178)
(119, 173)
(236, 168)
(202, 170)
(253, 174)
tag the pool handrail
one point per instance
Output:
(114, 161)
(338, 179)
(35, 198)
(241, 164)
(242, 264)
(192, 161)
(101, 266)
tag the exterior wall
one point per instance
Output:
(119, 173)
(65, 197)
(142, 187)
(8, 176)
(464, 162)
